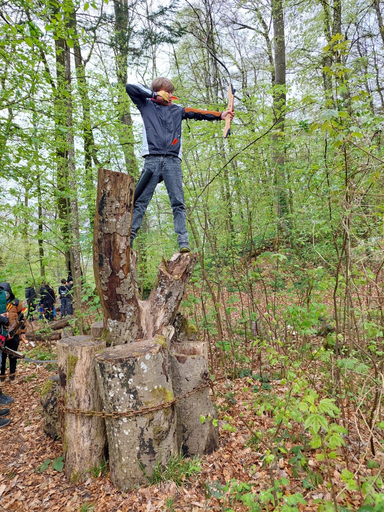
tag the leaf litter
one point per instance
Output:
(31, 477)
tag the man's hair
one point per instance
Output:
(162, 84)
(63, 281)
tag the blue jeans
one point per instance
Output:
(168, 168)
(66, 306)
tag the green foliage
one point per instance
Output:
(178, 469)
(288, 224)
(100, 470)
(87, 507)
(43, 466)
(56, 464)
(234, 491)
(42, 352)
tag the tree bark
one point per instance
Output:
(40, 239)
(48, 399)
(376, 5)
(97, 330)
(122, 39)
(60, 113)
(90, 150)
(279, 108)
(135, 376)
(74, 205)
(83, 436)
(112, 255)
(189, 370)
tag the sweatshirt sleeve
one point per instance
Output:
(201, 115)
(138, 94)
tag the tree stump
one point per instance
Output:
(136, 376)
(134, 373)
(127, 318)
(97, 330)
(112, 255)
(84, 439)
(190, 370)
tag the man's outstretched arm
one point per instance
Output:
(206, 115)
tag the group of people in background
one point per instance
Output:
(12, 327)
(12, 324)
(44, 301)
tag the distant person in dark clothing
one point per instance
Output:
(31, 298)
(4, 324)
(15, 315)
(65, 298)
(47, 301)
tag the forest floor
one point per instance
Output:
(29, 482)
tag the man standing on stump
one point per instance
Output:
(162, 150)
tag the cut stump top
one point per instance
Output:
(78, 341)
(135, 350)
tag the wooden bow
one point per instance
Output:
(231, 98)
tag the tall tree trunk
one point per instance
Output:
(121, 47)
(279, 106)
(336, 22)
(376, 5)
(90, 151)
(25, 225)
(74, 220)
(379, 84)
(63, 203)
(40, 226)
(327, 60)
(40, 239)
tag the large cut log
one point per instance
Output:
(127, 318)
(136, 376)
(84, 439)
(46, 337)
(59, 324)
(112, 254)
(189, 370)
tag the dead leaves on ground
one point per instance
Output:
(25, 449)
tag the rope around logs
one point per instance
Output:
(130, 413)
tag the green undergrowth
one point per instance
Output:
(42, 353)
(295, 419)
(179, 469)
